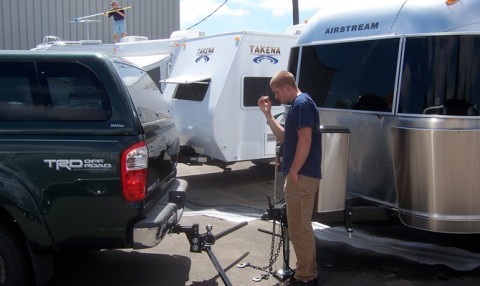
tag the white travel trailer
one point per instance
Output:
(57, 44)
(213, 90)
(154, 56)
(404, 77)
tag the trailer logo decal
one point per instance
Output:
(269, 59)
(264, 50)
(265, 54)
(204, 53)
(352, 28)
(204, 58)
(77, 164)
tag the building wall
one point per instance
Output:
(24, 23)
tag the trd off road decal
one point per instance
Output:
(77, 164)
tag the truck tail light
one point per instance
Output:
(134, 171)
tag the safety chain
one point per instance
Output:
(273, 255)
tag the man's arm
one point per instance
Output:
(120, 12)
(276, 128)
(266, 106)
(301, 152)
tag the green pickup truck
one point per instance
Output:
(88, 154)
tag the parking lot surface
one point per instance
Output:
(376, 253)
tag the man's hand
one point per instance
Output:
(292, 177)
(265, 105)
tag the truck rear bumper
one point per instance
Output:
(150, 231)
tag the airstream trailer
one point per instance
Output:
(404, 77)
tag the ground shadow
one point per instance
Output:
(116, 267)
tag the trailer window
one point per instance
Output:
(293, 60)
(441, 75)
(254, 88)
(352, 75)
(194, 91)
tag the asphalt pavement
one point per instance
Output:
(378, 252)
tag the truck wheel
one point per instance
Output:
(14, 266)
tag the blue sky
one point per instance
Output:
(239, 15)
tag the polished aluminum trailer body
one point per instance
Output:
(404, 77)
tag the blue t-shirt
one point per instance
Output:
(303, 113)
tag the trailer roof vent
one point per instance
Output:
(187, 34)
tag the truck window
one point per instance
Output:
(441, 75)
(73, 92)
(357, 75)
(145, 94)
(19, 93)
(254, 88)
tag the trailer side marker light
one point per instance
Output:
(450, 2)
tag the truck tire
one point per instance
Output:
(14, 266)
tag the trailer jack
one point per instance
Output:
(278, 214)
(204, 242)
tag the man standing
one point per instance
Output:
(301, 168)
(119, 27)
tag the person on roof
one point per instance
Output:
(119, 27)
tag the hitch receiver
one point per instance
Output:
(204, 242)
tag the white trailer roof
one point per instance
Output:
(147, 62)
(187, 79)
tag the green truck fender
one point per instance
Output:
(17, 203)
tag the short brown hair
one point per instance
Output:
(283, 78)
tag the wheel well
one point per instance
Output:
(11, 228)
(6, 218)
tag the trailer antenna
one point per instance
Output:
(208, 15)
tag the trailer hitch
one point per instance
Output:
(204, 242)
